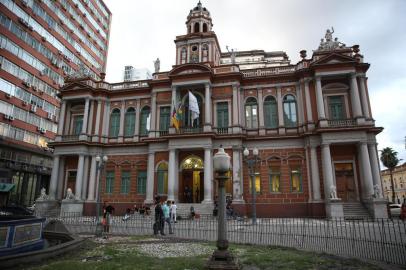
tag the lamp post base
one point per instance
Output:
(222, 259)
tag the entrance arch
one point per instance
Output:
(192, 188)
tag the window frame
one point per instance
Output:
(271, 112)
(271, 175)
(142, 182)
(287, 118)
(129, 122)
(299, 169)
(109, 185)
(125, 181)
(114, 128)
(248, 110)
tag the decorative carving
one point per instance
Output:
(377, 192)
(333, 193)
(43, 196)
(69, 194)
(328, 44)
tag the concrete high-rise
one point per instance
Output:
(42, 42)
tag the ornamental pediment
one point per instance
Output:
(333, 58)
(74, 86)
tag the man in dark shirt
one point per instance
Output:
(159, 217)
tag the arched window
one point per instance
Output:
(114, 123)
(251, 113)
(289, 111)
(270, 112)
(129, 122)
(162, 174)
(183, 55)
(205, 53)
(204, 27)
(196, 27)
(145, 120)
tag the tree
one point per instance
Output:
(390, 160)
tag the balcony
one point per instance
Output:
(70, 138)
(221, 130)
(342, 123)
(190, 130)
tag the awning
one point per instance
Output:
(5, 187)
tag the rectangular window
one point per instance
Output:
(222, 115)
(274, 179)
(109, 182)
(257, 183)
(141, 182)
(164, 118)
(336, 107)
(77, 124)
(125, 182)
(296, 179)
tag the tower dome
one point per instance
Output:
(198, 20)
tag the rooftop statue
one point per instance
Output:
(157, 65)
(327, 43)
(232, 55)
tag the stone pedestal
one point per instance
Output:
(379, 208)
(72, 207)
(46, 207)
(323, 123)
(334, 208)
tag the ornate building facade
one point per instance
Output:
(311, 122)
(399, 182)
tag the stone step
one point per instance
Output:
(355, 211)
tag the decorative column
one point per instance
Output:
(66, 126)
(95, 138)
(207, 108)
(236, 122)
(83, 135)
(327, 170)
(61, 179)
(366, 171)
(208, 189)
(90, 122)
(237, 187)
(171, 174)
(137, 120)
(79, 177)
(152, 128)
(176, 173)
(62, 116)
(319, 99)
(376, 176)
(106, 121)
(261, 112)
(300, 112)
(315, 174)
(150, 178)
(122, 115)
(364, 97)
(308, 103)
(355, 101)
(85, 178)
(92, 179)
(280, 110)
(54, 178)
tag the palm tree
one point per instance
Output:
(390, 160)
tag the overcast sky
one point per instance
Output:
(141, 31)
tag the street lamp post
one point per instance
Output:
(222, 258)
(252, 164)
(100, 162)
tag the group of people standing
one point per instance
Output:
(165, 212)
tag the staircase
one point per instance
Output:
(205, 209)
(355, 210)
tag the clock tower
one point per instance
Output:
(200, 44)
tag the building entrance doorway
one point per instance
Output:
(192, 180)
(346, 189)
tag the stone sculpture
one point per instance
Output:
(333, 192)
(69, 194)
(43, 196)
(157, 65)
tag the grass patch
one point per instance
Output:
(129, 255)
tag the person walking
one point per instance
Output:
(173, 211)
(159, 217)
(166, 210)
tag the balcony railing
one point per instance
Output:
(342, 123)
(70, 138)
(267, 71)
(163, 132)
(190, 130)
(222, 130)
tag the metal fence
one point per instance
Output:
(380, 240)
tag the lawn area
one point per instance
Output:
(163, 253)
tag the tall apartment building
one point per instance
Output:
(311, 121)
(42, 42)
(135, 74)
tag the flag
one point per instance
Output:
(174, 118)
(193, 106)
